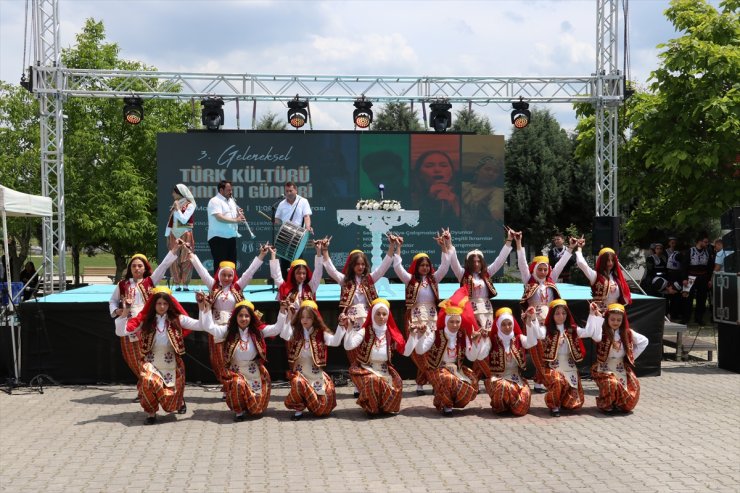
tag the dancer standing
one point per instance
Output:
(422, 297)
(180, 226)
(607, 281)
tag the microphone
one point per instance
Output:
(280, 199)
(381, 187)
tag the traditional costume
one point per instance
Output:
(180, 226)
(310, 387)
(540, 291)
(558, 350)
(291, 290)
(162, 371)
(445, 348)
(246, 382)
(606, 287)
(480, 291)
(422, 298)
(139, 291)
(224, 297)
(379, 384)
(613, 370)
(506, 356)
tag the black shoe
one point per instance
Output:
(240, 417)
(150, 420)
(420, 392)
(357, 393)
(554, 414)
(186, 288)
(538, 390)
(296, 417)
(610, 411)
(447, 414)
(137, 398)
(183, 409)
(178, 288)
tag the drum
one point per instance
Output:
(291, 240)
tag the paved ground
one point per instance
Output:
(683, 436)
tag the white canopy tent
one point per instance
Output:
(17, 204)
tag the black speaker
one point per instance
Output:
(606, 233)
(730, 219)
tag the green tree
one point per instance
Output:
(467, 120)
(682, 155)
(271, 121)
(110, 165)
(20, 167)
(397, 116)
(545, 187)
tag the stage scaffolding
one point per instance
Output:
(53, 84)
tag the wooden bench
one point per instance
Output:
(674, 336)
(109, 272)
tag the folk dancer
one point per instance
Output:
(380, 386)
(307, 338)
(161, 326)
(180, 226)
(422, 297)
(613, 371)
(246, 381)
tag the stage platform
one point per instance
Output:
(70, 336)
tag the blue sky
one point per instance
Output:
(436, 38)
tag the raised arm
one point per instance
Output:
(353, 338)
(499, 262)
(581, 263)
(318, 273)
(275, 272)
(204, 275)
(402, 273)
(330, 269)
(484, 348)
(567, 254)
(383, 267)
(253, 267)
(457, 269)
(444, 266)
(161, 269)
(277, 327)
(471, 350)
(334, 339)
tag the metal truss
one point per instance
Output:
(48, 55)
(54, 83)
(265, 87)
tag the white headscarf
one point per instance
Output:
(185, 192)
(505, 338)
(451, 337)
(379, 329)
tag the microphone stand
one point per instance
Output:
(271, 281)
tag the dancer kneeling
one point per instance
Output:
(378, 382)
(454, 384)
(161, 326)
(613, 371)
(307, 338)
(505, 352)
(558, 350)
(246, 380)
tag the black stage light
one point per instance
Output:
(133, 110)
(363, 115)
(440, 118)
(297, 114)
(521, 115)
(212, 114)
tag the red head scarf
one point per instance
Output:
(537, 261)
(289, 285)
(392, 328)
(349, 257)
(226, 264)
(149, 306)
(624, 288)
(570, 321)
(414, 264)
(457, 304)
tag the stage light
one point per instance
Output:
(440, 118)
(297, 114)
(212, 114)
(521, 115)
(363, 115)
(133, 110)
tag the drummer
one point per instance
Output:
(293, 209)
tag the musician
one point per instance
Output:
(224, 217)
(180, 225)
(293, 209)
